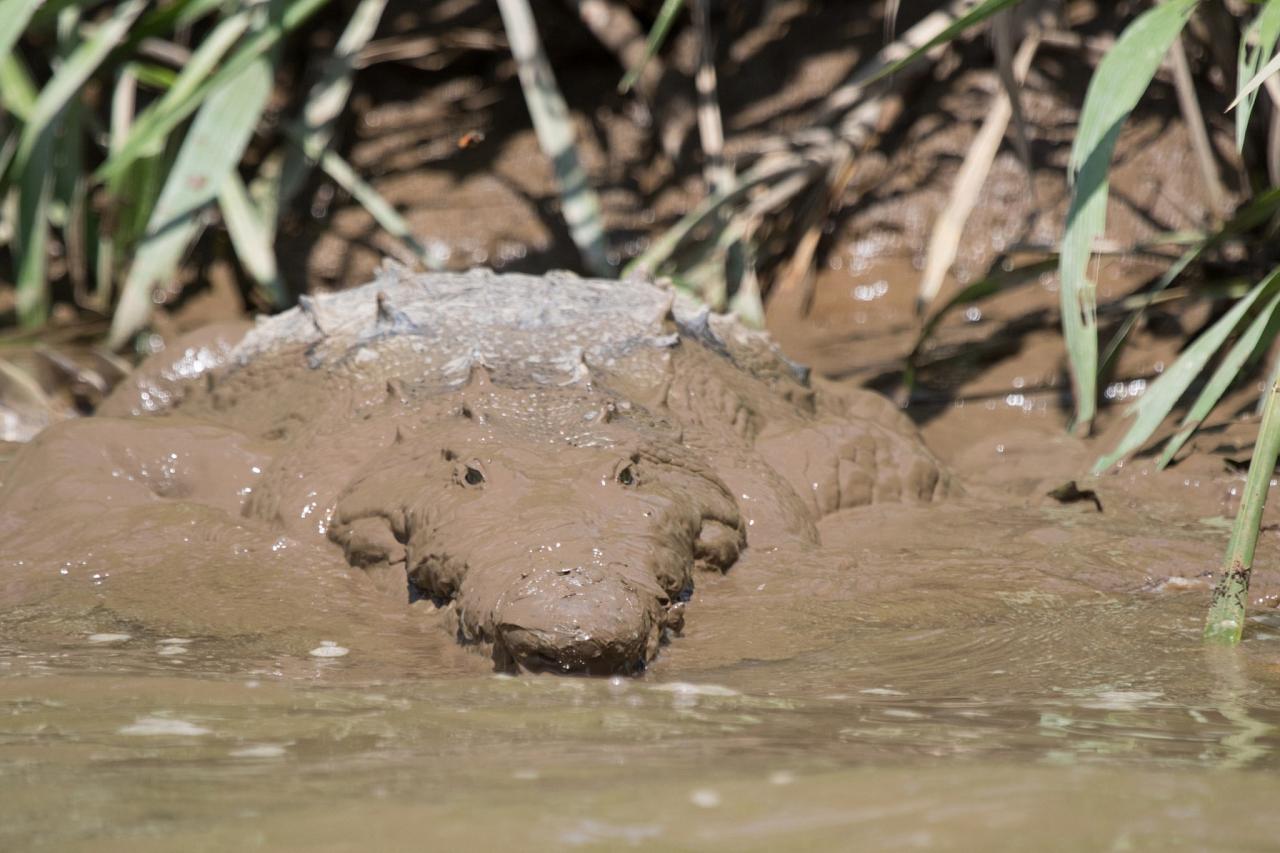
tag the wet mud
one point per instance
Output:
(550, 468)
(189, 653)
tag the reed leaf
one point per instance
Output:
(966, 21)
(17, 92)
(158, 121)
(325, 102)
(14, 17)
(657, 35)
(1227, 371)
(31, 237)
(1256, 48)
(71, 75)
(1152, 408)
(210, 151)
(369, 198)
(1117, 84)
(554, 128)
(1249, 88)
(252, 240)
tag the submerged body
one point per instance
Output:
(550, 461)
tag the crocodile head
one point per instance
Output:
(564, 550)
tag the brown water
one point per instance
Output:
(1021, 690)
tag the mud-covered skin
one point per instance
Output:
(553, 458)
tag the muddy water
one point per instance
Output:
(1007, 676)
(992, 671)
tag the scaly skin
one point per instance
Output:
(552, 458)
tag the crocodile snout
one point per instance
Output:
(581, 619)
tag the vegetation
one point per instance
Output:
(126, 124)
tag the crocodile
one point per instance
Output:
(552, 460)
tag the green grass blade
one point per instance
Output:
(31, 238)
(657, 35)
(1257, 46)
(211, 149)
(1250, 88)
(1226, 372)
(369, 198)
(1117, 84)
(1225, 623)
(17, 92)
(251, 239)
(70, 77)
(14, 17)
(1165, 392)
(326, 100)
(143, 133)
(972, 18)
(554, 128)
(158, 121)
(1253, 214)
(661, 250)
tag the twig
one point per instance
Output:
(944, 241)
(1191, 114)
(719, 175)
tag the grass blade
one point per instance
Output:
(1251, 87)
(554, 128)
(212, 148)
(657, 35)
(1225, 373)
(1225, 623)
(326, 100)
(252, 240)
(369, 198)
(17, 92)
(159, 120)
(1256, 212)
(31, 238)
(1117, 84)
(1257, 46)
(1165, 392)
(70, 77)
(971, 18)
(660, 251)
(14, 16)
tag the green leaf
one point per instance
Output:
(72, 74)
(1121, 78)
(1227, 371)
(252, 240)
(17, 92)
(211, 149)
(657, 35)
(1256, 47)
(368, 197)
(969, 19)
(326, 101)
(31, 238)
(1164, 393)
(190, 90)
(14, 17)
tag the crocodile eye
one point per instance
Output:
(473, 476)
(627, 476)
